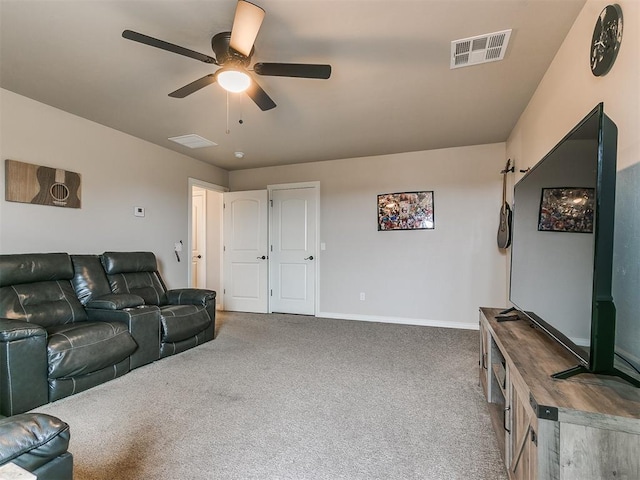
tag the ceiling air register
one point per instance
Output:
(486, 48)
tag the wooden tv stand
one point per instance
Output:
(583, 428)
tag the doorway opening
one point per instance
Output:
(205, 237)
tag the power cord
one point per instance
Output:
(628, 362)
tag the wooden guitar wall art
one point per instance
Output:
(28, 183)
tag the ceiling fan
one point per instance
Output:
(233, 51)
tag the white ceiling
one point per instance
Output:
(391, 89)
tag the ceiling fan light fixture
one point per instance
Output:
(234, 81)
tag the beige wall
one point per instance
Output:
(569, 91)
(566, 94)
(428, 277)
(118, 172)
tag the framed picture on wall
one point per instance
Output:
(405, 211)
(566, 209)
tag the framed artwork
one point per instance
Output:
(28, 183)
(405, 211)
(567, 209)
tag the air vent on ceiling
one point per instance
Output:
(481, 49)
(193, 141)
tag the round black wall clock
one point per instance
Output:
(605, 43)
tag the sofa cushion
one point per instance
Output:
(143, 284)
(180, 322)
(89, 279)
(43, 303)
(34, 267)
(135, 272)
(85, 347)
(34, 438)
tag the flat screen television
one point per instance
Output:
(562, 247)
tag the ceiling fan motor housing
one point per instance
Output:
(227, 55)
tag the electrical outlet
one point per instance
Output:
(362, 296)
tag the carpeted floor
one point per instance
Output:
(293, 397)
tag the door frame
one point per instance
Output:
(292, 186)
(194, 182)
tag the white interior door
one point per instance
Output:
(245, 251)
(293, 250)
(198, 236)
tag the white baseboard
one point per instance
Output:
(400, 320)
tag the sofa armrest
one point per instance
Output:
(31, 440)
(191, 296)
(12, 330)
(116, 301)
(23, 366)
(144, 325)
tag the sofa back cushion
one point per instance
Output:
(89, 279)
(136, 273)
(36, 288)
(34, 267)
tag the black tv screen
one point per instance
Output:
(562, 250)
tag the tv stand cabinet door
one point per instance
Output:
(522, 443)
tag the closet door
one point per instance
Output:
(293, 252)
(246, 251)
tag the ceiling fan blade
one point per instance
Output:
(170, 47)
(301, 70)
(245, 28)
(194, 86)
(259, 96)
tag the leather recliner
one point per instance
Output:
(187, 315)
(37, 443)
(93, 290)
(48, 347)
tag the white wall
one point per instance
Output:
(565, 95)
(118, 172)
(429, 277)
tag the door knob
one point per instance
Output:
(198, 256)
(310, 257)
(262, 258)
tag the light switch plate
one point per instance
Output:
(138, 211)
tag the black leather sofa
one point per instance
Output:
(37, 443)
(68, 323)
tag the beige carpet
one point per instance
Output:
(292, 397)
